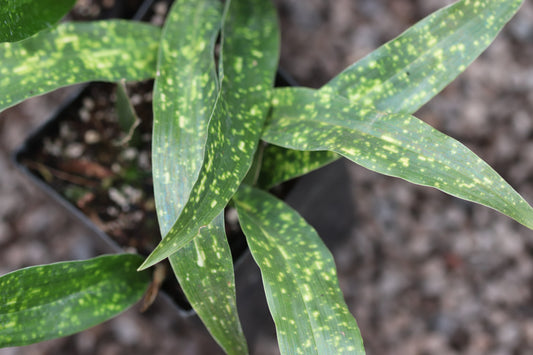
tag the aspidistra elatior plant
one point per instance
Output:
(211, 114)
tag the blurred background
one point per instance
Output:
(423, 272)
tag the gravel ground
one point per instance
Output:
(423, 272)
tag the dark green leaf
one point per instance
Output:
(204, 268)
(252, 176)
(299, 277)
(250, 59)
(408, 71)
(392, 144)
(74, 53)
(185, 93)
(23, 18)
(282, 164)
(55, 300)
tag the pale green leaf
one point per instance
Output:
(250, 58)
(74, 53)
(184, 97)
(20, 19)
(405, 73)
(299, 278)
(51, 301)
(392, 144)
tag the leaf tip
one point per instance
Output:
(148, 262)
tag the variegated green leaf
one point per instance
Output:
(282, 164)
(51, 301)
(74, 53)
(405, 73)
(299, 278)
(20, 19)
(392, 144)
(250, 58)
(185, 93)
(204, 268)
(408, 71)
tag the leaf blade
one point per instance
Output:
(185, 93)
(23, 18)
(73, 53)
(408, 71)
(50, 301)
(299, 278)
(204, 269)
(405, 73)
(397, 145)
(282, 164)
(251, 49)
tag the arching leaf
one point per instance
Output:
(392, 144)
(51, 301)
(299, 277)
(405, 73)
(408, 71)
(74, 53)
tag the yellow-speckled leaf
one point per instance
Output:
(204, 268)
(392, 144)
(299, 278)
(74, 53)
(408, 71)
(20, 19)
(51, 301)
(250, 59)
(185, 93)
(405, 73)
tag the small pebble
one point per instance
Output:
(91, 137)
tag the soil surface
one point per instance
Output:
(423, 272)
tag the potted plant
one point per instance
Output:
(209, 116)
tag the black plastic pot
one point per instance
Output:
(28, 159)
(49, 173)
